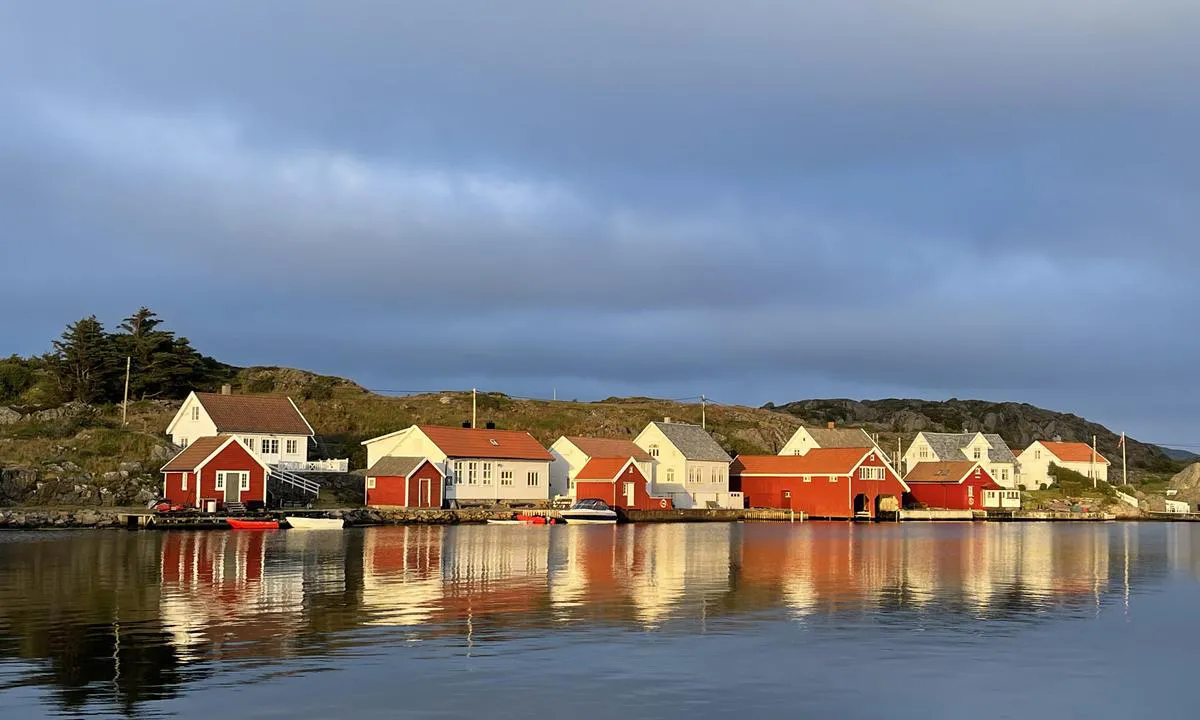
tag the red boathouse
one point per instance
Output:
(215, 468)
(950, 485)
(618, 482)
(824, 483)
(404, 482)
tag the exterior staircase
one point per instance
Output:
(235, 508)
(289, 488)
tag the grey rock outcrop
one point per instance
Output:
(8, 416)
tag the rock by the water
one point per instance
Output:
(1187, 483)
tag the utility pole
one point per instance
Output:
(1093, 461)
(1124, 467)
(703, 412)
(125, 402)
(474, 411)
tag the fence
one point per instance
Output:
(1128, 499)
(337, 466)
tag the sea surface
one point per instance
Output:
(648, 621)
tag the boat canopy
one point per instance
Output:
(591, 504)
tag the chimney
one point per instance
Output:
(667, 420)
(467, 425)
(831, 424)
(491, 425)
(226, 389)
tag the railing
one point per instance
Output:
(1127, 499)
(297, 481)
(337, 466)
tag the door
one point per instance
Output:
(233, 487)
(425, 493)
(785, 501)
(630, 498)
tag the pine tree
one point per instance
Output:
(162, 364)
(85, 363)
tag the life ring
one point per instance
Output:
(663, 503)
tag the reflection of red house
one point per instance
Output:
(411, 482)
(618, 482)
(952, 485)
(215, 468)
(825, 482)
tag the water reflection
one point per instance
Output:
(105, 621)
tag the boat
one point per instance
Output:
(590, 511)
(243, 524)
(297, 522)
(522, 520)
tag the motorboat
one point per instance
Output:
(521, 520)
(299, 522)
(243, 524)
(590, 511)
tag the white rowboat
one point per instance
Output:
(297, 522)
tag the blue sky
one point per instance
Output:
(759, 201)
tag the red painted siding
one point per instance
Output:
(389, 490)
(820, 497)
(175, 492)
(967, 495)
(234, 457)
(613, 492)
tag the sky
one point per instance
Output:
(756, 201)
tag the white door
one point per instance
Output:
(629, 495)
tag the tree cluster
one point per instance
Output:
(88, 364)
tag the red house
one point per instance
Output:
(407, 482)
(824, 483)
(215, 468)
(950, 485)
(618, 482)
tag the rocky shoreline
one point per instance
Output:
(41, 518)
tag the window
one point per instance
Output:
(1037, 454)
(833, 478)
(472, 472)
(290, 447)
(184, 483)
(182, 442)
(717, 475)
(244, 483)
(487, 473)
(670, 475)
(370, 483)
(978, 453)
(806, 478)
(871, 473)
(653, 451)
(970, 492)
(506, 478)
(532, 479)
(923, 453)
(195, 412)
(458, 471)
(220, 482)
(270, 447)
(249, 443)
(796, 452)
(693, 475)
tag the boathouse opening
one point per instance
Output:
(862, 504)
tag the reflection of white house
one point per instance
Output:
(271, 427)
(1075, 456)
(479, 464)
(689, 465)
(572, 453)
(831, 436)
(987, 449)
(402, 575)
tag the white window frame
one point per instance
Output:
(269, 446)
(184, 482)
(486, 473)
(458, 472)
(533, 478)
(871, 472)
(183, 442)
(291, 447)
(195, 413)
(219, 485)
(506, 478)
(472, 471)
(654, 451)
(670, 475)
(370, 483)
(249, 443)
(243, 482)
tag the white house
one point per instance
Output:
(571, 453)
(831, 436)
(271, 427)
(480, 464)
(1079, 457)
(689, 465)
(987, 449)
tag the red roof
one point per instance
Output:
(482, 443)
(610, 448)
(272, 415)
(820, 461)
(1076, 452)
(194, 454)
(602, 469)
(947, 471)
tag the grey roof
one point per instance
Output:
(693, 441)
(950, 446)
(841, 437)
(394, 466)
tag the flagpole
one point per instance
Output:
(1124, 467)
(1093, 461)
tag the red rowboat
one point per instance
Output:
(237, 524)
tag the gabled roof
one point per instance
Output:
(398, 466)
(605, 469)
(945, 471)
(841, 437)
(609, 448)
(693, 441)
(1075, 452)
(267, 414)
(819, 461)
(199, 452)
(483, 443)
(951, 446)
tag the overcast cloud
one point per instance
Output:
(761, 200)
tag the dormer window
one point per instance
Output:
(978, 453)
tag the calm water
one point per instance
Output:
(669, 621)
